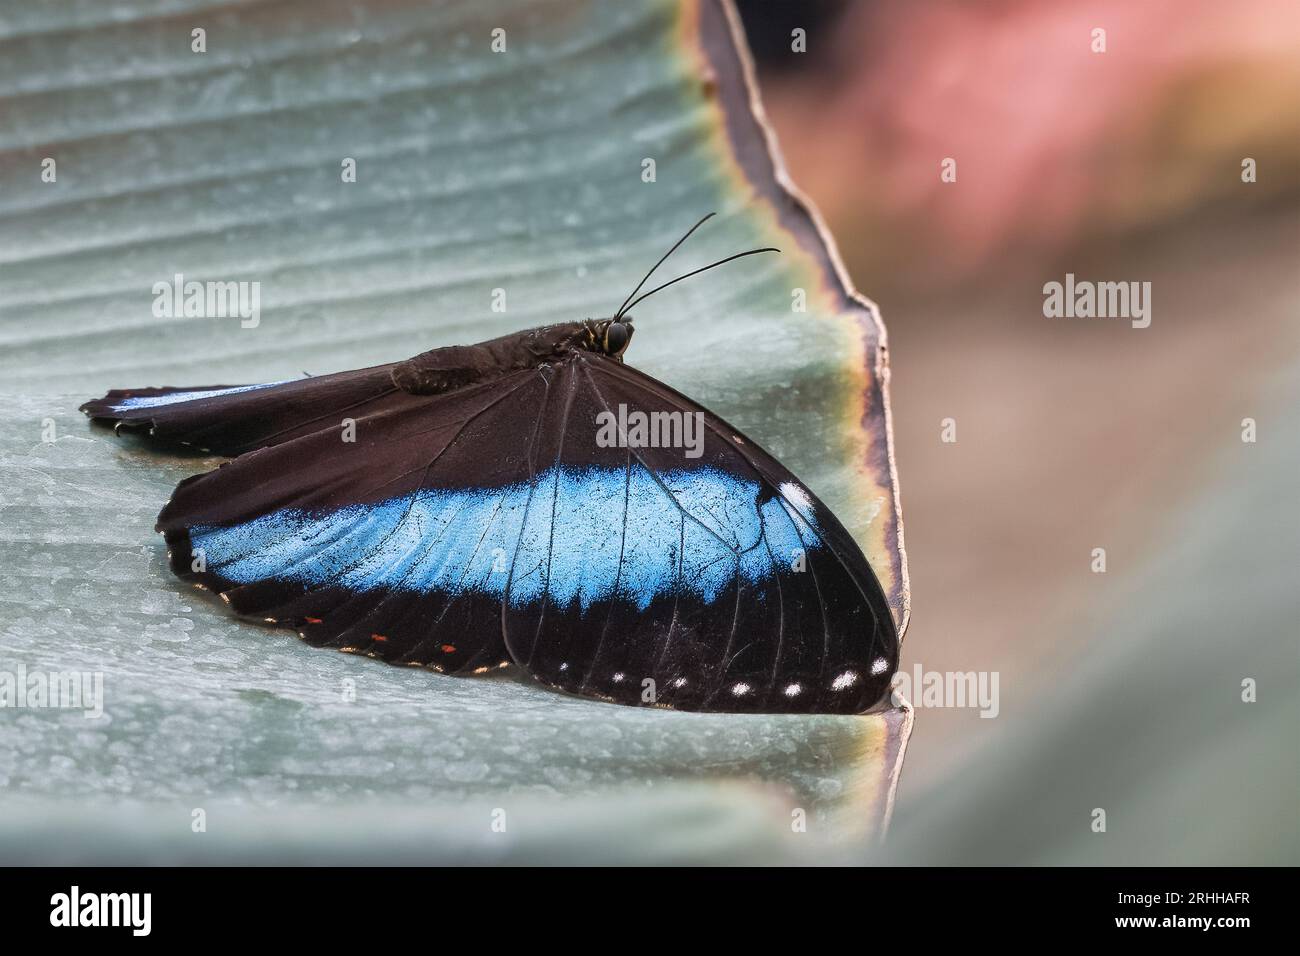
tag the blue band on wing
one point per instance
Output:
(563, 535)
(171, 398)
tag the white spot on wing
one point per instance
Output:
(844, 681)
(796, 497)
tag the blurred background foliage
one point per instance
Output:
(1121, 689)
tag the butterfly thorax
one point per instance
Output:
(608, 337)
(456, 366)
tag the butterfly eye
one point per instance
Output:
(617, 335)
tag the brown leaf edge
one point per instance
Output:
(714, 30)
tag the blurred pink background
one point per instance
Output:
(1072, 434)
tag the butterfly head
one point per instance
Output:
(609, 336)
(616, 335)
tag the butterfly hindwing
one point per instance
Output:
(396, 545)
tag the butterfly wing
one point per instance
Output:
(233, 419)
(396, 545)
(714, 581)
(492, 523)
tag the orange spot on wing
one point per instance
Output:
(378, 637)
(312, 620)
(449, 648)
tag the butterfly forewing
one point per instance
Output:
(703, 578)
(232, 419)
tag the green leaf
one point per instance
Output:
(476, 171)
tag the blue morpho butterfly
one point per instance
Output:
(478, 519)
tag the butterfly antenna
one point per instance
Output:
(711, 265)
(622, 308)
